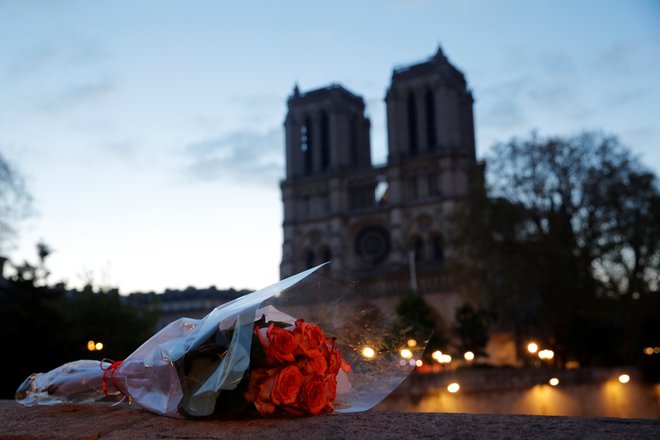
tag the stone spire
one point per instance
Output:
(439, 55)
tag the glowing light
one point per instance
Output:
(532, 347)
(412, 363)
(648, 351)
(91, 346)
(554, 381)
(453, 387)
(406, 354)
(419, 363)
(445, 359)
(469, 356)
(368, 352)
(656, 350)
(403, 363)
(437, 355)
(99, 346)
(624, 378)
(546, 354)
(412, 343)
(572, 365)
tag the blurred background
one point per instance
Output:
(144, 176)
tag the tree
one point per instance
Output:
(471, 330)
(42, 327)
(418, 321)
(15, 201)
(558, 233)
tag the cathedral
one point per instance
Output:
(382, 226)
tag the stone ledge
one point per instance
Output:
(86, 422)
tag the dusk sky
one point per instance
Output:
(150, 132)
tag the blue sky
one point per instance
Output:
(150, 133)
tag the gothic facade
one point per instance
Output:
(384, 226)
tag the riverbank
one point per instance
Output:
(90, 422)
(586, 392)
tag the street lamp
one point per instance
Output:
(94, 346)
(532, 347)
(368, 352)
(546, 354)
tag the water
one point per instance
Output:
(607, 398)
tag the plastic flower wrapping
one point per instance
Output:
(305, 345)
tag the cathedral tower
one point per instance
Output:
(429, 110)
(327, 138)
(378, 223)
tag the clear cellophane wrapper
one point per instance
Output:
(195, 367)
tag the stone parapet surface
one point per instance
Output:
(87, 422)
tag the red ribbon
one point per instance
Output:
(110, 371)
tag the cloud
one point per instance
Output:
(557, 64)
(260, 109)
(553, 95)
(61, 71)
(552, 63)
(243, 156)
(122, 149)
(623, 98)
(503, 103)
(504, 113)
(78, 94)
(616, 60)
(57, 56)
(514, 103)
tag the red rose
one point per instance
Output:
(260, 390)
(313, 364)
(309, 336)
(317, 364)
(334, 361)
(302, 370)
(332, 355)
(331, 383)
(281, 345)
(287, 386)
(314, 395)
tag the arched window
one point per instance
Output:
(353, 142)
(412, 124)
(306, 145)
(429, 104)
(413, 190)
(310, 259)
(438, 249)
(325, 142)
(417, 245)
(327, 255)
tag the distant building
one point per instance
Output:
(372, 221)
(190, 303)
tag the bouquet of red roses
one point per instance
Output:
(299, 374)
(250, 354)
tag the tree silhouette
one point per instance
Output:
(471, 330)
(561, 237)
(15, 201)
(42, 327)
